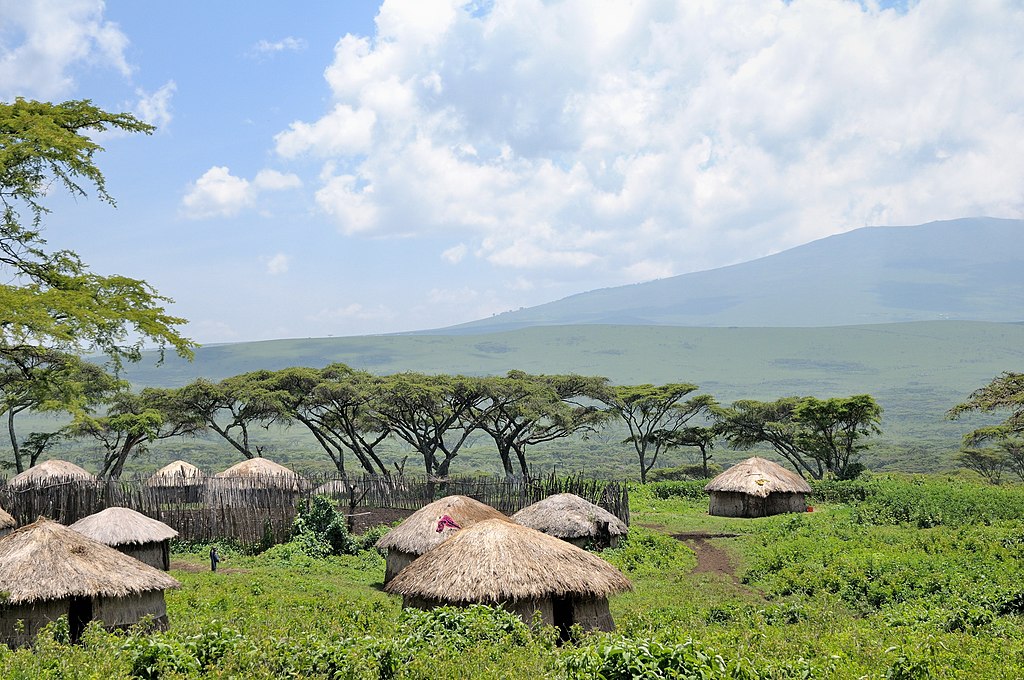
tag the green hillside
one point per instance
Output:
(915, 370)
(966, 269)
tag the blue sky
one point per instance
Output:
(345, 168)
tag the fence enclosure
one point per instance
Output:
(261, 508)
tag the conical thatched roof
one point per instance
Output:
(123, 526)
(758, 477)
(418, 533)
(6, 521)
(48, 561)
(498, 561)
(176, 474)
(262, 469)
(50, 472)
(566, 515)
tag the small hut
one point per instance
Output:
(523, 570)
(7, 523)
(50, 473)
(48, 571)
(132, 533)
(179, 482)
(256, 482)
(423, 529)
(573, 519)
(757, 488)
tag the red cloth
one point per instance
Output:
(445, 522)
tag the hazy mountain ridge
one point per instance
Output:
(965, 269)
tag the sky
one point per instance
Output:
(354, 167)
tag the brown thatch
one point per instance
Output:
(758, 477)
(47, 561)
(263, 471)
(123, 526)
(497, 561)
(50, 472)
(176, 474)
(418, 534)
(569, 517)
(6, 521)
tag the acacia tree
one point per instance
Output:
(699, 437)
(233, 406)
(521, 410)
(646, 409)
(432, 413)
(50, 299)
(1004, 393)
(816, 436)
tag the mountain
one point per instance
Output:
(965, 269)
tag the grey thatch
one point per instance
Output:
(132, 533)
(571, 518)
(47, 570)
(176, 474)
(262, 470)
(50, 472)
(7, 523)
(418, 533)
(757, 488)
(499, 562)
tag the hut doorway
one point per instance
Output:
(79, 614)
(561, 613)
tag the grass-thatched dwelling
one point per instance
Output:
(144, 538)
(258, 482)
(178, 482)
(50, 472)
(7, 523)
(48, 571)
(418, 533)
(757, 488)
(523, 570)
(573, 519)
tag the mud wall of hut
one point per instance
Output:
(156, 555)
(20, 623)
(118, 612)
(730, 504)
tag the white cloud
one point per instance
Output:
(217, 193)
(452, 296)
(278, 264)
(288, 44)
(454, 254)
(637, 140)
(272, 180)
(354, 310)
(43, 42)
(155, 108)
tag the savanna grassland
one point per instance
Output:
(887, 578)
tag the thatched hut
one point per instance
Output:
(50, 473)
(48, 571)
(7, 523)
(132, 533)
(179, 482)
(757, 488)
(573, 519)
(523, 570)
(419, 532)
(256, 482)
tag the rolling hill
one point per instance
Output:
(965, 269)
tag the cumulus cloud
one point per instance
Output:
(43, 42)
(648, 138)
(218, 193)
(278, 264)
(454, 254)
(268, 47)
(155, 108)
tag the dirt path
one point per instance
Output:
(710, 558)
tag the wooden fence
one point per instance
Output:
(262, 508)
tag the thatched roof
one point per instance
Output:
(566, 515)
(50, 472)
(176, 474)
(497, 561)
(758, 477)
(48, 561)
(123, 526)
(6, 521)
(262, 470)
(418, 533)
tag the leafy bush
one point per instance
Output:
(682, 473)
(693, 490)
(643, 551)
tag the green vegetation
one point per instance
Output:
(888, 578)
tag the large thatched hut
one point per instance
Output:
(523, 570)
(7, 523)
(573, 519)
(178, 482)
(423, 529)
(132, 533)
(757, 488)
(49, 473)
(48, 571)
(256, 482)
